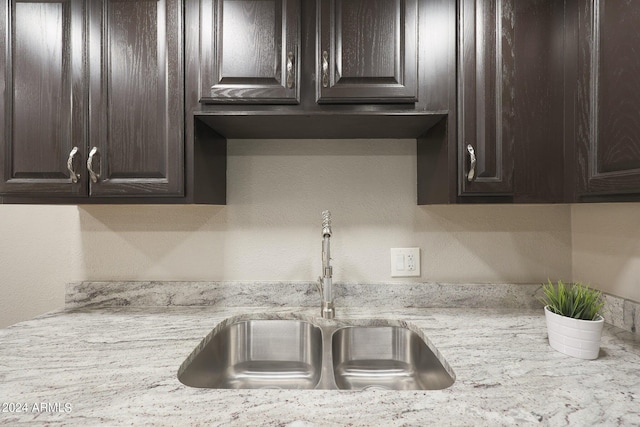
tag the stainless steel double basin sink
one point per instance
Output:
(295, 352)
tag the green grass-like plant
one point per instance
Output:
(572, 300)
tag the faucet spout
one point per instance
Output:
(325, 281)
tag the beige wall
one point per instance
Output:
(606, 247)
(270, 229)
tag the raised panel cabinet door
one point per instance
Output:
(136, 120)
(367, 51)
(608, 97)
(250, 51)
(485, 97)
(42, 105)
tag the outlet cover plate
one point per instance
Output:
(405, 262)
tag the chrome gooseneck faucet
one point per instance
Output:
(324, 282)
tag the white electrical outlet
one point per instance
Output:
(405, 262)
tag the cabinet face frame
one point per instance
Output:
(398, 86)
(219, 84)
(130, 161)
(69, 105)
(600, 147)
(486, 108)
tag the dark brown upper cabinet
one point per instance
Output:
(136, 99)
(486, 107)
(93, 100)
(367, 51)
(43, 107)
(507, 139)
(607, 94)
(250, 51)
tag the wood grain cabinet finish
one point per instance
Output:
(136, 97)
(250, 51)
(367, 51)
(608, 98)
(486, 108)
(102, 77)
(43, 112)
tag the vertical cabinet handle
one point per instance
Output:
(72, 171)
(290, 74)
(472, 167)
(325, 69)
(94, 176)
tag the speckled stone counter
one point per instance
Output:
(116, 364)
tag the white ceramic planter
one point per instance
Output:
(574, 337)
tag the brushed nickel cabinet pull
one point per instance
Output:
(72, 172)
(290, 73)
(325, 69)
(94, 176)
(472, 166)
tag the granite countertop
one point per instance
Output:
(97, 363)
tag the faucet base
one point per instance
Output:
(328, 311)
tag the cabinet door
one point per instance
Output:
(367, 51)
(485, 97)
(136, 98)
(42, 107)
(250, 51)
(608, 97)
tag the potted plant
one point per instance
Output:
(573, 318)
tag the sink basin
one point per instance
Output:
(257, 354)
(313, 353)
(385, 357)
